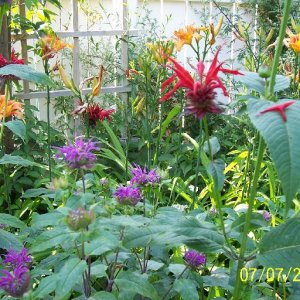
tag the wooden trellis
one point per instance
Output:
(76, 34)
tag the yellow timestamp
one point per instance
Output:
(270, 274)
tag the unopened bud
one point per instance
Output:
(79, 219)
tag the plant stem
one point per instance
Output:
(170, 288)
(46, 68)
(283, 26)
(197, 167)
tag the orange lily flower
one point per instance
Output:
(184, 36)
(293, 41)
(13, 108)
(51, 44)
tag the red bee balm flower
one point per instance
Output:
(201, 95)
(14, 60)
(95, 112)
(280, 108)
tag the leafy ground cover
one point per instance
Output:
(173, 194)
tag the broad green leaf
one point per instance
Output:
(17, 127)
(136, 283)
(279, 247)
(103, 296)
(186, 288)
(48, 219)
(18, 160)
(200, 235)
(283, 141)
(216, 170)
(214, 144)
(26, 73)
(99, 270)
(104, 242)
(52, 238)
(9, 241)
(46, 286)
(32, 193)
(254, 82)
(11, 221)
(69, 275)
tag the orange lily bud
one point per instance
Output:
(97, 86)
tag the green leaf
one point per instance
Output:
(48, 219)
(32, 193)
(200, 235)
(214, 144)
(11, 221)
(18, 160)
(104, 242)
(99, 270)
(186, 288)
(216, 170)
(69, 275)
(103, 296)
(283, 141)
(17, 127)
(280, 246)
(9, 241)
(52, 238)
(254, 82)
(46, 286)
(26, 73)
(136, 284)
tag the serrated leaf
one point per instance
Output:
(69, 275)
(26, 73)
(254, 82)
(18, 160)
(17, 127)
(186, 288)
(283, 141)
(280, 246)
(137, 284)
(11, 221)
(9, 241)
(216, 170)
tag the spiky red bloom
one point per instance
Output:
(13, 60)
(95, 112)
(201, 94)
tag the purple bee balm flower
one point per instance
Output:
(194, 258)
(141, 176)
(15, 283)
(78, 155)
(2, 226)
(128, 195)
(13, 259)
(267, 216)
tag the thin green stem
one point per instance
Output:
(261, 149)
(46, 68)
(278, 51)
(197, 167)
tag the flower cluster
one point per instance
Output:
(16, 279)
(79, 219)
(95, 113)
(200, 95)
(142, 177)
(14, 60)
(78, 155)
(13, 108)
(267, 216)
(293, 41)
(128, 195)
(185, 36)
(14, 259)
(50, 45)
(194, 259)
